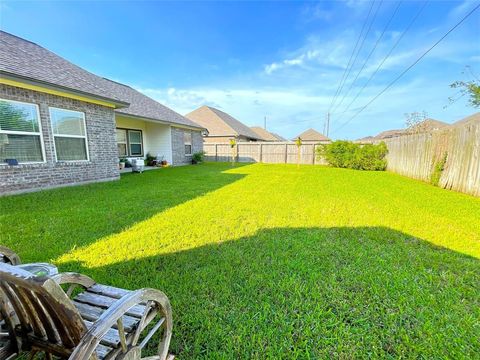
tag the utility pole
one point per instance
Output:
(265, 122)
(327, 125)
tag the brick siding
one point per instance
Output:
(102, 147)
(178, 145)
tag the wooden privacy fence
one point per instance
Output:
(266, 152)
(415, 156)
(412, 155)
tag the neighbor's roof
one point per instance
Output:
(429, 125)
(389, 134)
(312, 135)
(219, 123)
(25, 60)
(279, 137)
(469, 119)
(266, 135)
(145, 107)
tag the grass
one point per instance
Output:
(274, 261)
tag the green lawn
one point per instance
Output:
(274, 261)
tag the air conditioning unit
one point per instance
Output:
(138, 165)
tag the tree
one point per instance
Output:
(468, 88)
(415, 121)
(298, 142)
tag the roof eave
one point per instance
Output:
(35, 83)
(164, 122)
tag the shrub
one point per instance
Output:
(346, 154)
(198, 156)
(438, 169)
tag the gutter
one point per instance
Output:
(164, 122)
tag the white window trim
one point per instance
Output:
(69, 136)
(123, 143)
(39, 133)
(130, 143)
(188, 143)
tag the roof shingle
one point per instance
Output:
(219, 123)
(312, 135)
(25, 59)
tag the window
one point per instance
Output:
(69, 134)
(187, 139)
(129, 142)
(20, 132)
(122, 142)
(135, 142)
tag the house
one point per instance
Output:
(266, 135)
(221, 126)
(64, 125)
(472, 119)
(427, 125)
(312, 136)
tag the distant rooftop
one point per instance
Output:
(266, 135)
(219, 123)
(312, 135)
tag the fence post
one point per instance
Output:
(261, 152)
(286, 153)
(237, 153)
(216, 152)
(313, 154)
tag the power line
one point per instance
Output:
(371, 52)
(410, 67)
(414, 19)
(360, 47)
(340, 84)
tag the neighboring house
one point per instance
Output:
(65, 125)
(266, 135)
(221, 126)
(427, 125)
(389, 134)
(474, 118)
(312, 136)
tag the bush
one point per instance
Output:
(346, 154)
(198, 157)
(438, 169)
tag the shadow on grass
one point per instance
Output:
(44, 225)
(314, 293)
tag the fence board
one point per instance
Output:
(415, 156)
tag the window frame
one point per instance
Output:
(126, 142)
(84, 137)
(135, 143)
(185, 143)
(129, 153)
(39, 133)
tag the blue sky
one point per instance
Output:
(280, 59)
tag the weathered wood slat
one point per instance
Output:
(105, 302)
(92, 313)
(103, 351)
(109, 291)
(111, 338)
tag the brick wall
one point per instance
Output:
(100, 125)
(178, 145)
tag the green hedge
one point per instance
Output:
(346, 154)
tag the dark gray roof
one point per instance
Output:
(145, 107)
(27, 60)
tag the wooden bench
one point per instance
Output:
(87, 321)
